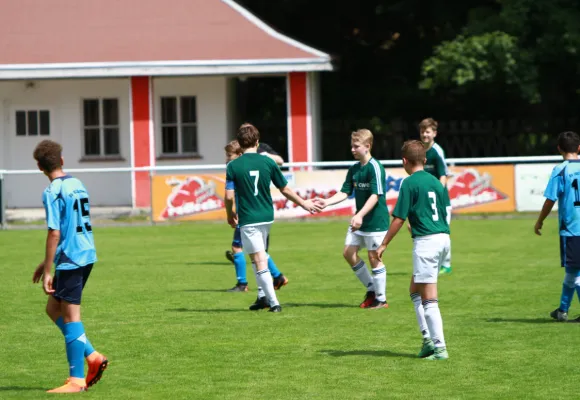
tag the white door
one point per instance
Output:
(24, 127)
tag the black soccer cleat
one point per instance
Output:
(277, 308)
(280, 281)
(240, 287)
(260, 304)
(230, 256)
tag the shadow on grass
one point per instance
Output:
(19, 388)
(209, 310)
(206, 290)
(374, 353)
(523, 320)
(225, 263)
(320, 305)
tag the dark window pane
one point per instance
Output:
(111, 141)
(189, 139)
(111, 111)
(91, 112)
(169, 139)
(44, 123)
(20, 123)
(92, 142)
(168, 110)
(32, 123)
(188, 113)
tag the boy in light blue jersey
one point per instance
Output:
(564, 187)
(70, 245)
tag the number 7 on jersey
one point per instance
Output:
(256, 175)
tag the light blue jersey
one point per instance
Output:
(564, 187)
(66, 203)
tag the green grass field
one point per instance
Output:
(156, 306)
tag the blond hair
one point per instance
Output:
(363, 136)
(428, 123)
(233, 147)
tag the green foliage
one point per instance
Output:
(479, 59)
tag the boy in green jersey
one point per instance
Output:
(436, 166)
(371, 221)
(248, 179)
(425, 202)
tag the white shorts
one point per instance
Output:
(370, 240)
(429, 252)
(255, 237)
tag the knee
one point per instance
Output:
(349, 254)
(571, 280)
(237, 250)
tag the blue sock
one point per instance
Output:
(240, 266)
(567, 296)
(89, 349)
(273, 268)
(74, 337)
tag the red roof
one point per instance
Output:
(141, 31)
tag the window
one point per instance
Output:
(32, 123)
(101, 127)
(178, 125)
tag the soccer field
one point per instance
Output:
(156, 306)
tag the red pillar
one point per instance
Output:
(142, 142)
(299, 117)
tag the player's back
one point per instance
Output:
(568, 196)
(252, 174)
(429, 204)
(67, 206)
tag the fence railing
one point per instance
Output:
(292, 166)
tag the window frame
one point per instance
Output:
(180, 125)
(27, 109)
(101, 127)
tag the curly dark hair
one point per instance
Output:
(48, 155)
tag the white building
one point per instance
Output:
(138, 83)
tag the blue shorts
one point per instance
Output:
(68, 284)
(570, 251)
(237, 241)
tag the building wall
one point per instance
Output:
(64, 100)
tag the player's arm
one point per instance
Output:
(271, 154)
(400, 214)
(229, 198)
(394, 228)
(282, 184)
(345, 191)
(551, 194)
(371, 202)
(546, 209)
(441, 170)
(51, 206)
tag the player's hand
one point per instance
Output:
(47, 284)
(233, 221)
(380, 251)
(38, 272)
(355, 223)
(320, 204)
(538, 228)
(308, 205)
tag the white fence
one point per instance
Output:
(529, 179)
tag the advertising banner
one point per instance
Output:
(531, 180)
(201, 197)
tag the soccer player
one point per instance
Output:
(70, 245)
(371, 221)
(437, 167)
(564, 187)
(425, 202)
(248, 180)
(236, 255)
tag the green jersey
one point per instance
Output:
(435, 164)
(366, 180)
(250, 176)
(425, 202)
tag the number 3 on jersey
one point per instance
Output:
(256, 175)
(434, 205)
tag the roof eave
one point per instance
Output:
(162, 68)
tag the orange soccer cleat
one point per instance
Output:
(72, 385)
(97, 365)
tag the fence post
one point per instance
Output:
(2, 208)
(151, 222)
